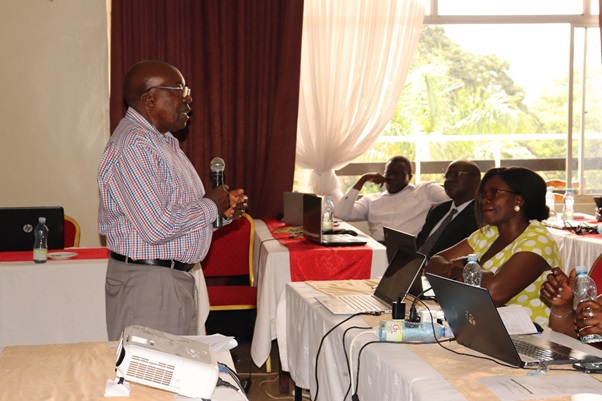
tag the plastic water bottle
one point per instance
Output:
(550, 202)
(40, 245)
(328, 214)
(405, 332)
(472, 272)
(585, 290)
(568, 209)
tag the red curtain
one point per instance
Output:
(241, 60)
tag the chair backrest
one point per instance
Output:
(596, 273)
(560, 185)
(71, 232)
(231, 251)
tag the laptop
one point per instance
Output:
(17, 224)
(476, 324)
(312, 226)
(395, 283)
(293, 208)
(394, 240)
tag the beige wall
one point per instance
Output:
(54, 105)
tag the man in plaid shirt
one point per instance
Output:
(154, 211)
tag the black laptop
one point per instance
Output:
(395, 239)
(17, 224)
(476, 324)
(312, 226)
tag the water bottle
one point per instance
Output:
(550, 202)
(40, 245)
(472, 272)
(568, 209)
(404, 331)
(585, 290)
(328, 214)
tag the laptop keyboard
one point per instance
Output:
(363, 303)
(538, 353)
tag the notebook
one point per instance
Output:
(312, 226)
(476, 324)
(395, 283)
(293, 208)
(17, 224)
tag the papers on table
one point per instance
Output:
(516, 320)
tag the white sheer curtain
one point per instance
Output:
(354, 61)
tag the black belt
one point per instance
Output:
(172, 264)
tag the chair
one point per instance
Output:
(228, 268)
(71, 232)
(596, 273)
(560, 185)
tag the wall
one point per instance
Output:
(54, 105)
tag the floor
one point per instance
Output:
(264, 386)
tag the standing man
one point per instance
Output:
(154, 210)
(450, 222)
(403, 206)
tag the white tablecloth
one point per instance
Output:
(576, 250)
(52, 303)
(272, 273)
(388, 371)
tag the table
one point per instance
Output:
(272, 273)
(54, 302)
(77, 372)
(388, 371)
(576, 249)
(61, 301)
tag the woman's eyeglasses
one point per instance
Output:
(492, 193)
(581, 228)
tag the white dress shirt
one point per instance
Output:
(405, 211)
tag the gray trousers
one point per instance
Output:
(150, 296)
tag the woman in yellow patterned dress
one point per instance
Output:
(513, 247)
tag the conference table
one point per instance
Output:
(60, 301)
(577, 249)
(272, 255)
(401, 371)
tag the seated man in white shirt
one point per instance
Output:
(403, 206)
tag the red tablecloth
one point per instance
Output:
(82, 253)
(310, 261)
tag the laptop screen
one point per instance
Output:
(17, 224)
(312, 217)
(399, 276)
(395, 239)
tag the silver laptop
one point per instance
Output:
(312, 226)
(17, 224)
(476, 324)
(293, 208)
(395, 283)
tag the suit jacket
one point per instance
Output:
(459, 228)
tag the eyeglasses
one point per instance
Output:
(492, 193)
(184, 90)
(455, 174)
(580, 229)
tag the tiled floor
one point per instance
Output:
(264, 386)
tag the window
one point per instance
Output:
(491, 82)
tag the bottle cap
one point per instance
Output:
(581, 270)
(472, 257)
(42, 220)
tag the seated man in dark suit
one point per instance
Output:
(450, 222)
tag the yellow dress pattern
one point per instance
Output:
(537, 239)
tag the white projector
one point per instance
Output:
(166, 361)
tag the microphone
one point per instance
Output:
(217, 179)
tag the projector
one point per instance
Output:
(166, 361)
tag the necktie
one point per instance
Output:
(425, 249)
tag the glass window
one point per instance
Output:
(510, 7)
